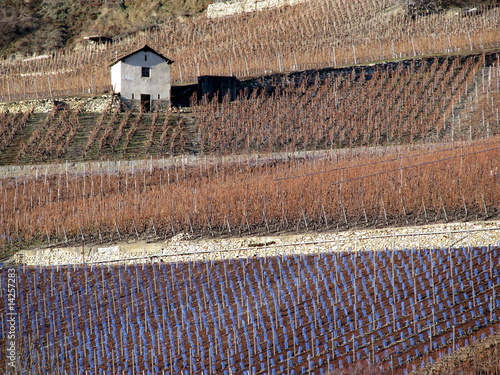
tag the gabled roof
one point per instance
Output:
(144, 48)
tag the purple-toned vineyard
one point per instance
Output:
(300, 314)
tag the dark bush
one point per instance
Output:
(420, 7)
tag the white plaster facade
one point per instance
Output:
(142, 74)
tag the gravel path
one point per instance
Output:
(181, 248)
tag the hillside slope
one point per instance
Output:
(310, 35)
(434, 99)
(41, 26)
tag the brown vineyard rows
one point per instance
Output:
(311, 35)
(431, 183)
(419, 102)
(436, 99)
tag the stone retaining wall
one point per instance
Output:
(87, 104)
(227, 8)
(181, 249)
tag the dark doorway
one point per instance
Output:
(145, 102)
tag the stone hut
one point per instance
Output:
(142, 79)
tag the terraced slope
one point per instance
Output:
(392, 310)
(310, 35)
(75, 136)
(412, 101)
(435, 99)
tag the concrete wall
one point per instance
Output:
(126, 77)
(227, 8)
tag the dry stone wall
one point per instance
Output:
(228, 8)
(87, 104)
(181, 248)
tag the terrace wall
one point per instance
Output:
(180, 248)
(88, 104)
(227, 8)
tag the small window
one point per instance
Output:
(133, 96)
(145, 57)
(158, 96)
(145, 72)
